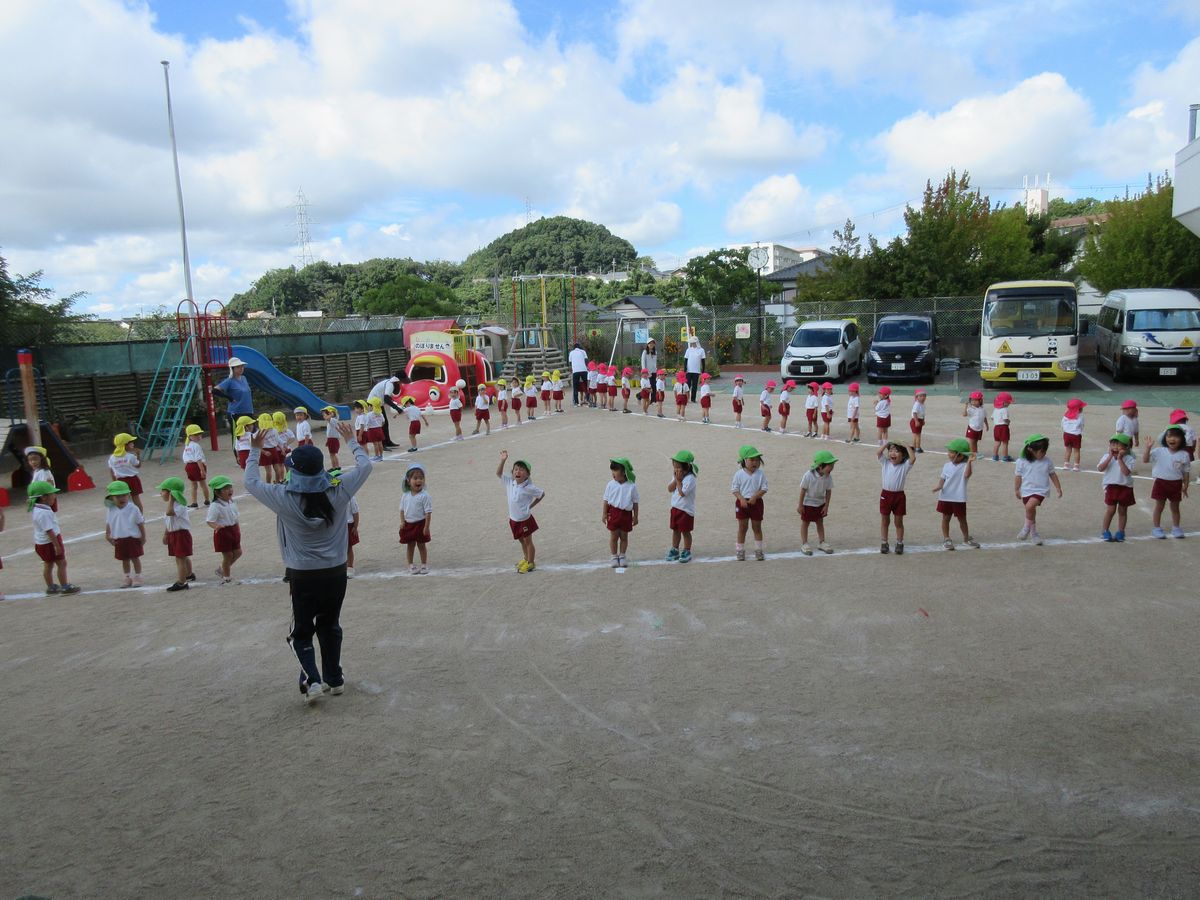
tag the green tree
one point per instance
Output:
(721, 278)
(29, 314)
(1067, 209)
(409, 295)
(1141, 245)
(556, 244)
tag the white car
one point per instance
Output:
(829, 348)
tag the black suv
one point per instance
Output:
(903, 346)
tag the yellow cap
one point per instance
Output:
(193, 430)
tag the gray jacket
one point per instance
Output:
(309, 543)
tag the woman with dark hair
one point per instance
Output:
(310, 509)
(650, 357)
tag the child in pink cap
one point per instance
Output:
(853, 403)
(626, 389)
(826, 406)
(883, 415)
(916, 424)
(785, 404)
(1127, 422)
(660, 390)
(644, 391)
(612, 388)
(705, 397)
(738, 403)
(976, 417)
(1001, 426)
(682, 393)
(812, 404)
(593, 379)
(1180, 417)
(764, 404)
(1072, 429)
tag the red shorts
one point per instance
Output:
(737, 406)
(502, 405)
(413, 533)
(620, 519)
(1072, 441)
(375, 435)
(483, 415)
(812, 513)
(523, 528)
(915, 425)
(333, 445)
(52, 552)
(754, 512)
(973, 435)
(266, 456)
(681, 399)
(414, 428)
(706, 402)
(558, 395)
(135, 484)
(456, 415)
(179, 543)
(531, 402)
(811, 415)
(127, 548)
(227, 539)
(612, 390)
(545, 395)
(1040, 498)
(682, 522)
(660, 396)
(893, 503)
(625, 392)
(241, 456)
(764, 410)
(192, 470)
(956, 508)
(591, 391)
(883, 421)
(643, 394)
(1000, 433)
(826, 417)
(306, 442)
(785, 409)
(351, 535)
(1165, 489)
(1118, 495)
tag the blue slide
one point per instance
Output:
(266, 377)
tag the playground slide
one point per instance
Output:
(263, 375)
(62, 461)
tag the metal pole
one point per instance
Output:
(187, 266)
(29, 394)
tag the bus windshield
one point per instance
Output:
(1164, 320)
(1027, 313)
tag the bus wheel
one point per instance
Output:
(1117, 373)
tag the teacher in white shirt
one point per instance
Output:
(694, 357)
(578, 359)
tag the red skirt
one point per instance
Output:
(660, 396)
(612, 390)
(916, 425)
(558, 395)
(1166, 489)
(1118, 495)
(127, 548)
(502, 405)
(192, 470)
(1000, 433)
(956, 508)
(52, 552)
(706, 402)
(483, 415)
(375, 435)
(413, 533)
(456, 415)
(812, 513)
(242, 456)
(179, 543)
(893, 503)
(785, 409)
(523, 528)
(227, 539)
(883, 421)
(620, 519)
(764, 410)
(351, 535)
(1072, 441)
(810, 413)
(737, 406)
(531, 402)
(625, 392)
(827, 417)
(135, 484)
(414, 428)
(681, 399)
(682, 522)
(973, 435)
(1040, 498)
(754, 512)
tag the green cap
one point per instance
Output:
(117, 489)
(746, 452)
(36, 490)
(626, 465)
(687, 456)
(959, 445)
(174, 486)
(526, 466)
(1033, 439)
(823, 458)
(1123, 439)
(219, 481)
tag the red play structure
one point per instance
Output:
(439, 360)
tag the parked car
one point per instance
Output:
(831, 348)
(903, 346)
(1149, 331)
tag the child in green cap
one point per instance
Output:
(749, 486)
(177, 537)
(125, 530)
(952, 491)
(523, 496)
(1034, 475)
(47, 538)
(1118, 465)
(816, 492)
(683, 504)
(222, 518)
(619, 512)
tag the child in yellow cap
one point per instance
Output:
(332, 443)
(266, 459)
(284, 434)
(124, 465)
(530, 398)
(375, 427)
(547, 391)
(39, 470)
(195, 466)
(556, 390)
(241, 438)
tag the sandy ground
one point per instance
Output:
(1010, 721)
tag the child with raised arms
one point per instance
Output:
(764, 404)
(1118, 466)
(895, 464)
(1072, 430)
(976, 417)
(619, 511)
(853, 405)
(1127, 421)
(1034, 475)
(1171, 471)
(125, 531)
(124, 465)
(916, 421)
(816, 491)
(195, 466)
(416, 518)
(683, 505)
(749, 486)
(785, 404)
(483, 412)
(738, 400)
(883, 415)
(952, 491)
(47, 538)
(177, 536)
(523, 496)
(1001, 427)
(222, 518)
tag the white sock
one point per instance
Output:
(739, 547)
(758, 545)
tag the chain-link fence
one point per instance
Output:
(100, 331)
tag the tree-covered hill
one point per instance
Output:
(557, 244)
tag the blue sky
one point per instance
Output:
(422, 130)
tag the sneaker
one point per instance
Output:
(1119, 537)
(53, 589)
(685, 556)
(191, 577)
(824, 547)
(520, 563)
(626, 411)
(947, 544)
(806, 550)
(179, 586)
(193, 506)
(423, 570)
(759, 555)
(974, 544)
(616, 562)
(1023, 533)
(1106, 536)
(336, 689)
(673, 554)
(899, 548)
(69, 588)
(313, 694)
(884, 548)
(740, 555)
(622, 562)
(412, 569)
(1177, 532)
(137, 581)
(1075, 468)
(349, 571)
(922, 450)
(995, 457)
(529, 567)
(766, 428)
(128, 582)
(1157, 532)
(1005, 458)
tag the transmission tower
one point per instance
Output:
(528, 212)
(303, 240)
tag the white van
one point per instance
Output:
(1149, 331)
(831, 348)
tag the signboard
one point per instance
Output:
(685, 333)
(641, 335)
(438, 341)
(742, 331)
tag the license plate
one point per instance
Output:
(1029, 375)
(897, 367)
(806, 369)
(1169, 370)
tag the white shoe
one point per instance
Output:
(1037, 538)
(616, 562)
(349, 571)
(806, 550)
(1023, 533)
(422, 570)
(336, 690)
(313, 694)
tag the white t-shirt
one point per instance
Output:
(660, 385)
(181, 520)
(1035, 475)
(622, 495)
(222, 513)
(1113, 473)
(45, 524)
(918, 413)
(625, 385)
(785, 396)
(360, 422)
(812, 401)
(883, 409)
(547, 385)
(593, 378)
(827, 403)
(385, 388)
(1170, 466)
(695, 357)
(976, 417)
(706, 391)
(520, 497)
(1127, 425)
(816, 487)
(412, 412)
(502, 395)
(415, 507)
(243, 443)
(482, 401)
(747, 484)
(303, 430)
(558, 385)
(518, 394)
(765, 398)
(684, 496)
(351, 510)
(123, 521)
(999, 415)
(1073, 426)
(737, 392)
(853, 402)
(894, 474)
(954, 487)
(192, 453)
(456, 402)
(44, 475)
(124, 466)
(578, 359)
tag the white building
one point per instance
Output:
(780, 257)
(1186, 204)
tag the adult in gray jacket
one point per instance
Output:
(310, 521)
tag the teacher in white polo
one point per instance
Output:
(694, 357)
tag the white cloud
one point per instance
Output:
(781, 208)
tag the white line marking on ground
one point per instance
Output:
(1095, 381)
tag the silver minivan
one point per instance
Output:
(1149, 331)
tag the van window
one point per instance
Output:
(1163, 320)
(897, 331)
(816, 337)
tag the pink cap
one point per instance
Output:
(739, 377)
(680, 377)
(789, 384)
(827, 386)
(591, 365)
(645, 371)
(1129, 404)
(885, 391)
(704, 376)
(920, 392)
(853, 387)
(627, 371)
(1075, 403)
(976, 395)
(1001, 398)
(813, 386)
(771, 384)
(1177, 416)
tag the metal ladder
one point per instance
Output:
(183, 380)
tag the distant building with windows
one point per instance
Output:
(781, 257)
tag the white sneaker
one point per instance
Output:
(336, 690)
(1037, 538)
(806, 550)
(974, 544)
(422, 570)
(1023, 533)
(349, 571)
(313, 694)
(616, 562)
(947, 545)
